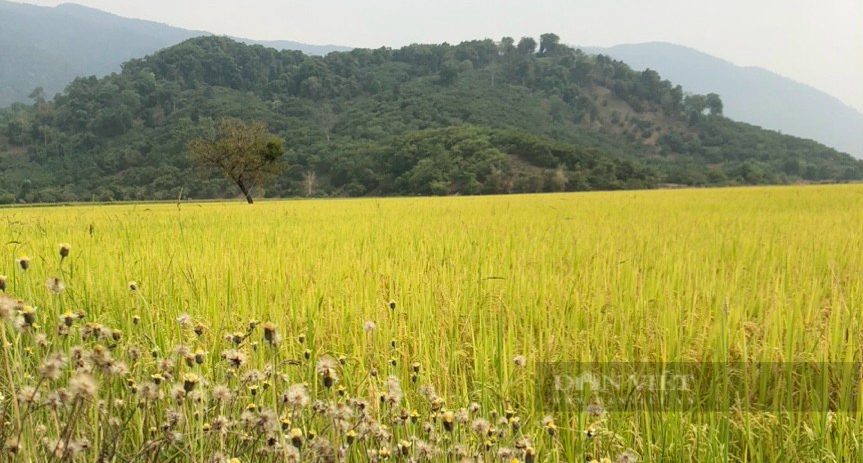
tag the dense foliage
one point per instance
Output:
(477, 117)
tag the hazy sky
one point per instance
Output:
(815, 42)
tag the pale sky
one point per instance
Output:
(819, 43)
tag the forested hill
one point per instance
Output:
(477, 117)
(751, 94)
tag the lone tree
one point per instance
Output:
(247, 154)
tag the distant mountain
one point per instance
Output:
(48, 47)
(751, 94)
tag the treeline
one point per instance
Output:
(474, 118)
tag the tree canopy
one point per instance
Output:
(245, 153)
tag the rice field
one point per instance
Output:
(415, 329)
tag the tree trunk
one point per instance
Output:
(245, 191)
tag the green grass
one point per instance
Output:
(714, 275)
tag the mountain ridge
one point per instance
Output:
(48, 47)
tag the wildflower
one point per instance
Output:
(595, 410)
(270, 333)
(369, 326)
(519, 361)
(392, 305)
(12, 445)
(182, 350)
(234, 357)
(136, 319)
(448, 420)
(296, 437)
(326, 368)
(64, 250)
(404, 447)
(199, 356)
(199, 329)
(548, 424)
(505, 454)
(178, 393)
(184, 319)
(55, 285)
(221, 394)
(529, 455)
(321, 450)
(221, 424)
(28, 395)
(62, 330)
(392, 362)
(627, 456)
(480, 427)
(267, 421)
(590, 432)
(252, 376)
(150, 392)
(83, 385)
(29, 315)
(133, 286)
(24, 262)
(190, 380)
(57, 398)
(68, 318)
(297, 396)
(394, 391)
(307, 354)
(515, 422)
(52, 366)
(437, 403)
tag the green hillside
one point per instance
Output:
(477, 117)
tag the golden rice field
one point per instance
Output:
(411, 329)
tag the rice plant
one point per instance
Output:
(417, 329)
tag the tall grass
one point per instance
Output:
(743, 275)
